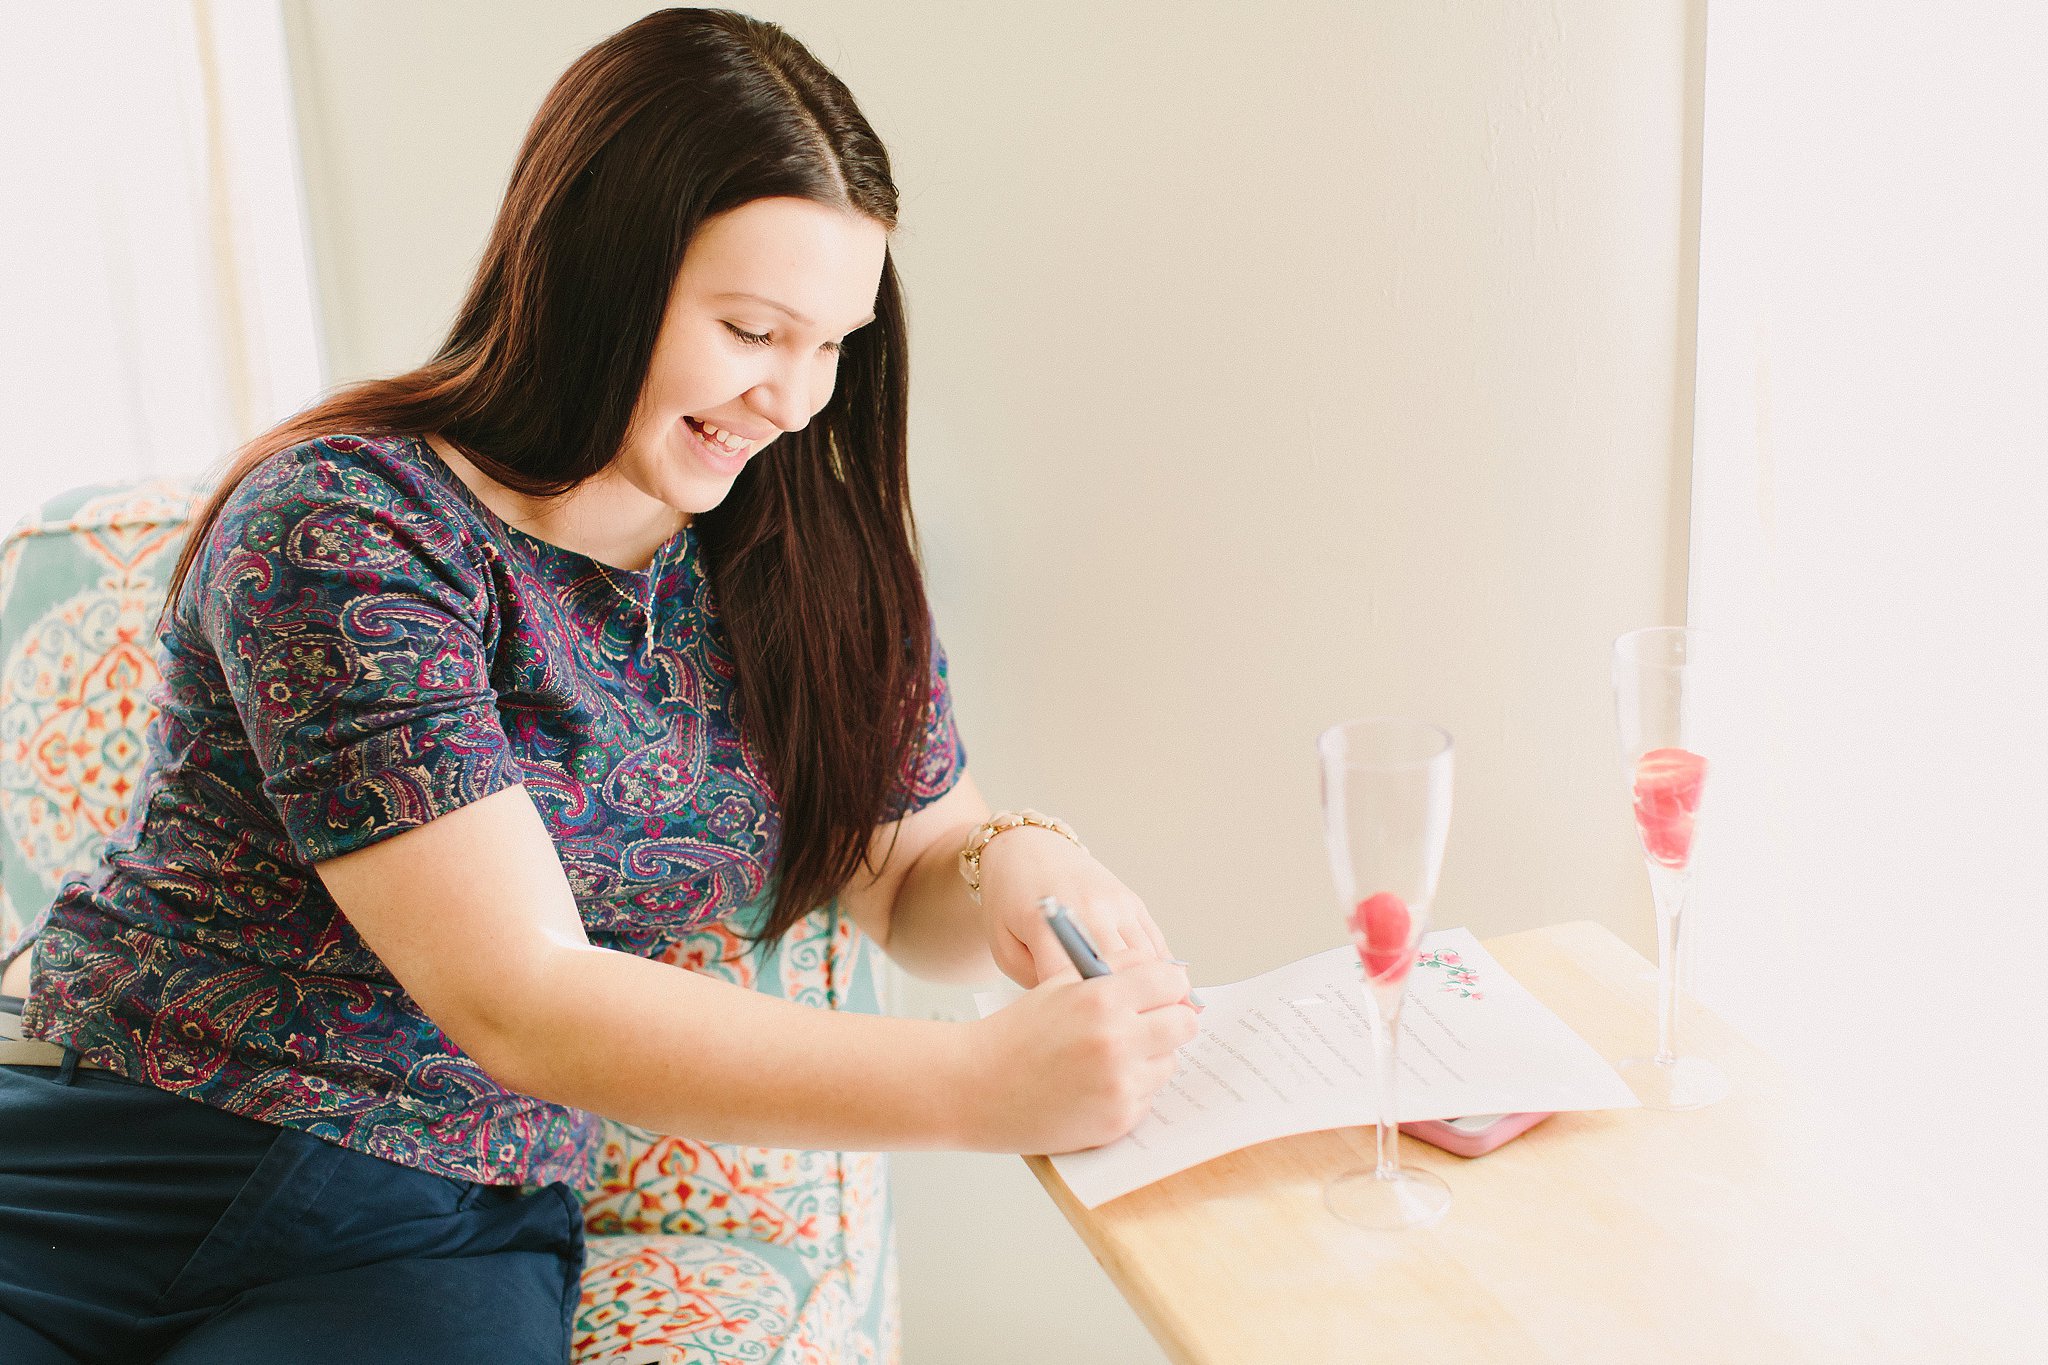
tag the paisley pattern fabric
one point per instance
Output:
(81, 582)
(363, 646)
(708, 1252)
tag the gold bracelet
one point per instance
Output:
(970, 856)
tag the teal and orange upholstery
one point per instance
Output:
(698, 1252)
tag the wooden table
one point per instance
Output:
(1730, 1234)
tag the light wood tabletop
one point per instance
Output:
(1727, 1234)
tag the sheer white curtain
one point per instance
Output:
(156, 296)
(1870, 530)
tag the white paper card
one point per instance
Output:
(1291, 1052)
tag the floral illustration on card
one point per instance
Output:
(1458, 979)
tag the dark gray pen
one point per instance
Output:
(1080, 951)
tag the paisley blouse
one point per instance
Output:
(363, 645)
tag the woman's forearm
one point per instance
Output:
(935, 931)
(473, 915)
(674, 1051)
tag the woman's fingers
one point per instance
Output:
(1104, 933)
(1148, 985)
(1136, 927)
(1168, 1029)
(1154, 935)
(1144, 942)
(1123, 959)
(1048, 959)
(1123, 933)
(1124, 923)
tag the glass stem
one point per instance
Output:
(1385, 1030)
(1669, 888)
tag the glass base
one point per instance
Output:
(1408, 1198)
(1682, 1083)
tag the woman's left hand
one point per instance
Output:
(1027, 863)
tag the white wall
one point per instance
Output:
(1870, 499)
(1273, 365)
(154, 273)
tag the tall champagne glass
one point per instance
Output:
(1386, 811)
(1656, 704)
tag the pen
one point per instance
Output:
(1080, 951)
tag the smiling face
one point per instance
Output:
(749, 346)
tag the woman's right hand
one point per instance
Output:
(1072, 1063)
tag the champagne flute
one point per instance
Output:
(1386, 788)
(1656, 705)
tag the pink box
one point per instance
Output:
(1473, 1136)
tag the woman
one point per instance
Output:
(482, 683)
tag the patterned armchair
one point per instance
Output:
(697, 1252)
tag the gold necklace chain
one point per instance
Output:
(646, 609)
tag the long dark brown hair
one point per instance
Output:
(812, 556)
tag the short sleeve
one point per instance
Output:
(350, 628)
(939, 756)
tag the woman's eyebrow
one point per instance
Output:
(794, 316)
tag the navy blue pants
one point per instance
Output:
(139, 1226)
